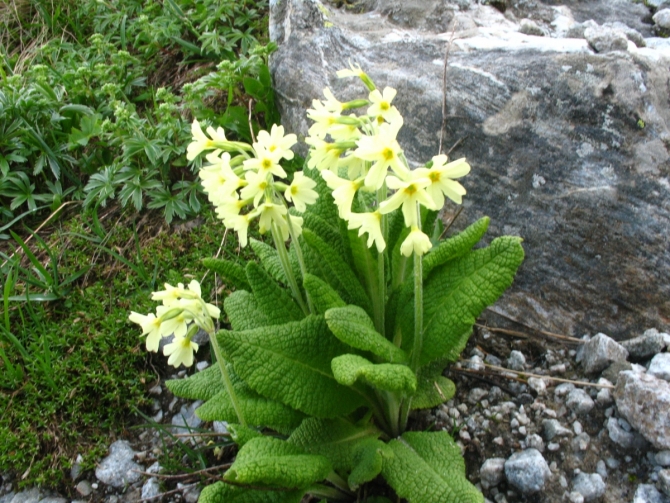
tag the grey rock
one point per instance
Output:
(220, 427)
(516, 360)
(7, 498)
(630, 33)
(53, 499)
(601, 469)
(589, 485)
(577, 29)
(191, 494)
(118, 469)
(553, 428)
(202, 365)
(32, 495)
(476, 395)
(75, 469)
(84, 488)
(524, 107)
(611, 373)
(600, 352)
(579, 401)
(657, 4)
(563, 389)
(491, 473)
(575, 497)
(646, 493)
(660, 366)
(534, 441)
(662, 458)
(186, 418)
(644, 401)
(538, 385)
(527, 471)
(530, 27)
(623, 438)
(646, 345)
(603, 39)
(151, 488)
(664, 481)
(581, 442)
(662, 19)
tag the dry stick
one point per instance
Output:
(207, 434)
(53, 214)
(451, 222)
(443, 129)
(550, 378)
(251, 128)
(185, 475)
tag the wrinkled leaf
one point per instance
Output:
(231, 272)
(221, 492)
(432, 387)
(387, 376)
(272, 300)
(243, 312)
(321, 293)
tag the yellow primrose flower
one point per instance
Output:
(151, 327)
(344, 191)
(323, 118)
(273, 213)
(177, 325)
(201, 142)
(265, 161)
(370, 223)
(170, 295)
(322, 155)
(230, 208)
(276, 143)
(384, 150)
(381, 105)
(240, 224)
(416, 242)
(408, 194)
(300, 191)
(180, 351)
(218, 179)
(257, 182)
(442, 175)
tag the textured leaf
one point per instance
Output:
(242, 434)
(336, 439)
(257, 410)
(427, 468)
(455, 246)
(338, 273)
(457, 293)
(368, 462)
(387, 376)
(270, 260)
(291, 363)
(324, 207)
(353, 326)
(273, 301)
(274, 463)
(231, 272)
(365, 262)
(243, 312)
(327, 232)
(321, 293)
(432, 387)
(200, 386)
(220, 492)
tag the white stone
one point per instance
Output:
(662, 19)
(660, 366)
(492, 471)
(579, 401)
(599, 352)
(589, 485)
(118, 469)
(527, 471)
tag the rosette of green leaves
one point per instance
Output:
(329, 384)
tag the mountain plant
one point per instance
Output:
(337, 336)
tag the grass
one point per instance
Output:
(99, 366)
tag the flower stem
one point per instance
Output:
(225, 377)
(379, 302)
(286, 265)
(301, 259)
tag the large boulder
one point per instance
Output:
(568, 147)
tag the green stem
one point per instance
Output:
(286, 265)
(301, 259)
(380, 302)
(226, 378)
(338, 482)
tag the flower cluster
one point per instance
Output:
(367, 149)
(182, 313)
(252, 178)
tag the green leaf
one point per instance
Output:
(243, 312)
(432, 387)
(225, 493)
(353, 326)
(455, 246)
(338, 273)
(336, 439)
(321, 293)
(270, 260)
(387, 376)
(242, 434)
(200, 386)
(324, 207)
(230, 271)
(273, 463)
(458, 291)
(257, 410)
(428, 467)
(368, 463)
(273, 301)
(329, 234)
(291, 363)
